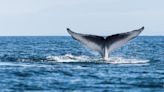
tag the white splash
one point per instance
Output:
(68, 58)
(121, 60)
(112, 60)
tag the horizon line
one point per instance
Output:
(55, 35)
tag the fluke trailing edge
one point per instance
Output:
(105, 45)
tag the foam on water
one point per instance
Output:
(121, 60)
(22, 65)
(112, 60)
(69, 58)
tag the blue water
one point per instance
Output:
(57, 64)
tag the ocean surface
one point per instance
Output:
(61, 64)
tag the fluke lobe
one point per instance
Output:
(105, 45)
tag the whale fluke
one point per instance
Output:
(105, 45)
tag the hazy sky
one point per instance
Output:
(101, 17)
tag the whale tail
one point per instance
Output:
(105, 45)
